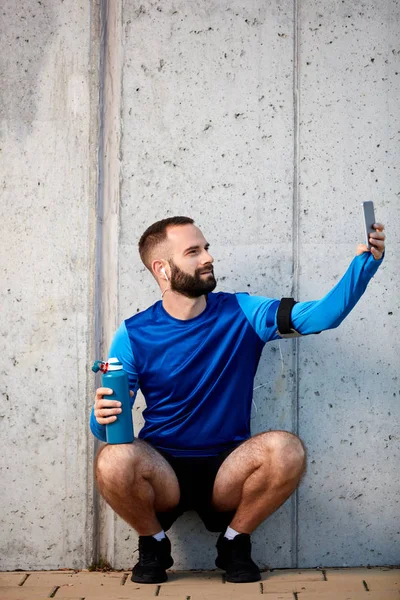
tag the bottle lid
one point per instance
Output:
(97, 366)
(114, 364)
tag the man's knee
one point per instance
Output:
(115, 463)
(285, 447)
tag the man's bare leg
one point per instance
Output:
(254, 481)
(136, 481)
(258, 477)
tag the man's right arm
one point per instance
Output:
(120, 348)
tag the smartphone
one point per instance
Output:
(369, 220)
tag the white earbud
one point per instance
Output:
(164, 273)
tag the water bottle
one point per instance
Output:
(115, 378)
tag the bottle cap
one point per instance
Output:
(114, 364)
(97, 366)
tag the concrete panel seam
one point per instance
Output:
(107, 231)
(95, 49)
(97, 293)
(295, 258)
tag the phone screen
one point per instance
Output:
(369, 220)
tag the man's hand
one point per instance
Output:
(377, 241)
(106, 411)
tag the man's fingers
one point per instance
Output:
(377, 249)
(361, 248)
(104, 416)
(100, 404)
(105, 421)
(377, 235)
(376, 253)
(378, 226)
(377, 241)
(100, 392)
(378, 244)
(107, 412)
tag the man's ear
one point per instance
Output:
(159, 269)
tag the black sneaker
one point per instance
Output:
(154, 558)
(234, 557)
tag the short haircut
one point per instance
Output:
(157, 233)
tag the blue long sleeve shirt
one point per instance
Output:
(197, 375)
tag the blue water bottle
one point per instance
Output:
(114, 377)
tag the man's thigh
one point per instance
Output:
(263, 449)
(129, 466)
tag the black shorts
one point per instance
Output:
(196, 476)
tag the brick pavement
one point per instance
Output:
(312, 584)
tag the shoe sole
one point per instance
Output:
(240, 578)
(162, 579)
(251, 579)
(149, 580)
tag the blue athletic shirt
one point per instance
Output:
(197, 375)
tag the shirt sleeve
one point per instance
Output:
(261, 314)
(332, 309)
(120, 348)
(315, 315)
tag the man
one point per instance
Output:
(194, 355)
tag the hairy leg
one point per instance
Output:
(258, 476)
(136, 481)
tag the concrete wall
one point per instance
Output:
(266, 122)
(349, 79)
(48, 104)
(269, 123)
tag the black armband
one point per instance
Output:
(283, 320)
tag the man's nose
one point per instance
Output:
(207, 258)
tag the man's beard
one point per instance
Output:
(192, 286)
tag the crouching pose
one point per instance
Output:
(194, 355)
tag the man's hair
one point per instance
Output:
(157, 233)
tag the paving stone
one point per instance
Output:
(208, 592)
(383, 580)
(382, 584)
(54, 578)
(255, 587)
(108, 591)
(349, 595)
(242, 596)
(341, 585)
(25, 593)
(279, 596)
(194, 578)
(292, 575)
(215, 586)
(113, 595)
(10, 579)
(279, 584)
(362, 573)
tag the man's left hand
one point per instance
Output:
(377, 241)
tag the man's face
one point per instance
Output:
(192, 273)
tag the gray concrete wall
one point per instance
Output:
(268, 123)
(207, 114)
(349, 79)
(48, 104)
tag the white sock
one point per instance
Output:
(230, 533)
(160, 535)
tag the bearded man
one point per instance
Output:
(194, 355)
